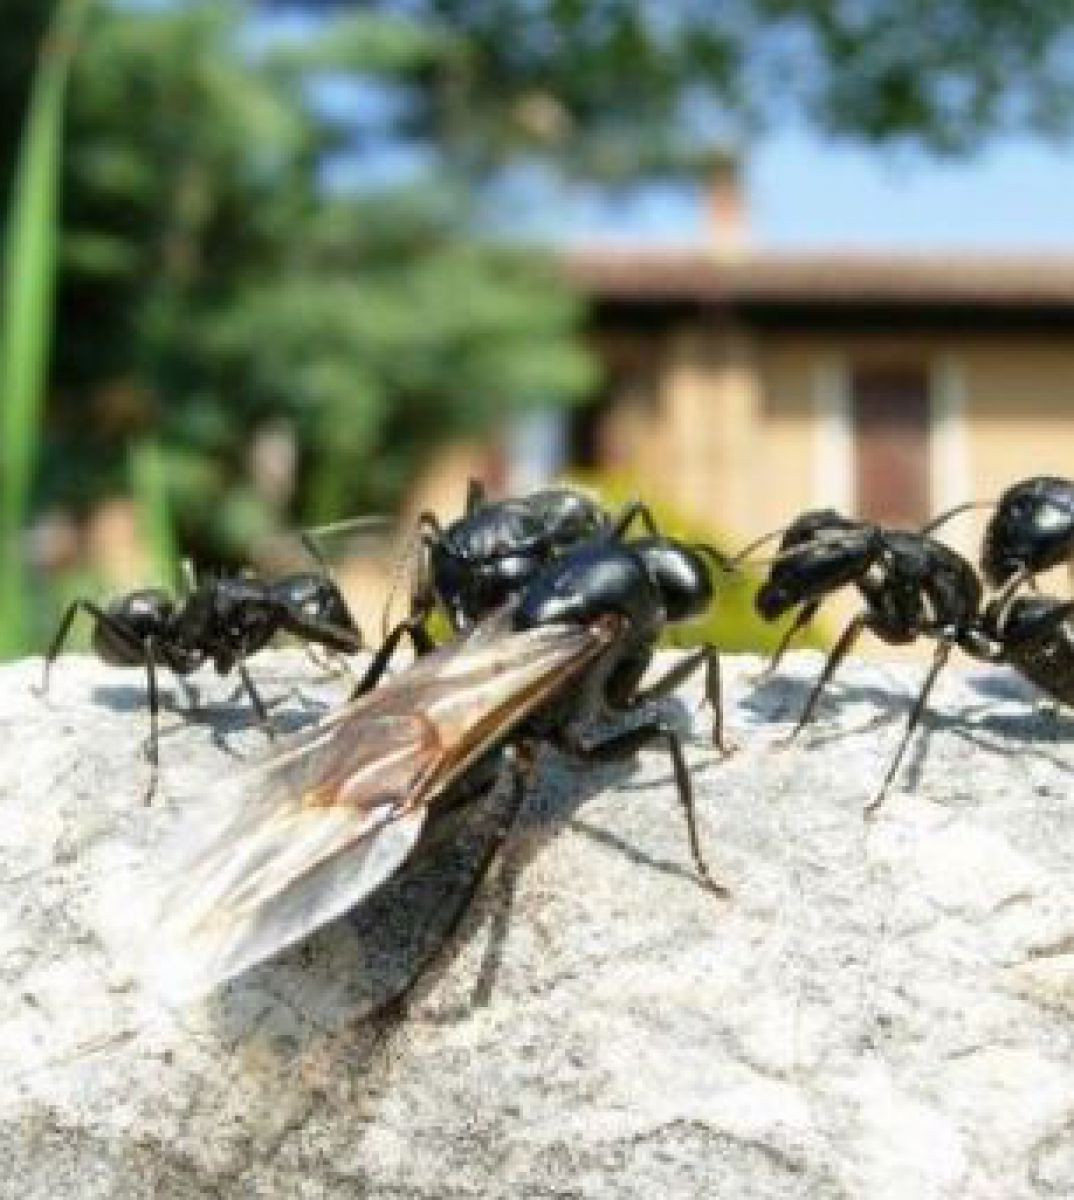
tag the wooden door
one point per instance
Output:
(891, 438)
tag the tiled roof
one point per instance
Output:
(838, 277)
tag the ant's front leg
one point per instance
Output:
(636, 510)
(625, 745)
(706, 657)
(802, 618)
(412, 627)
(263, 718)
(839, 651)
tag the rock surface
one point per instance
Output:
(879, 1010)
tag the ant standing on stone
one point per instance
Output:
(223, 620)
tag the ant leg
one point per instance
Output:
(706, 656)
(625, 745)
(113, 625)
(476, 496)
(839, 651)
(414, 628)
(397, 1001)
(152, 749)
(331, 664)
(189, 577)
(263, 718)
(58, 640)
(803, 618)
(939, 659)
(636, 510)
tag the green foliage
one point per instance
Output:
(617, 87)
(733, 623)
(26, 314)
(214, 285)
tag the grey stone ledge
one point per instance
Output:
(880, 1010)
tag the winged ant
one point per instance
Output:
(349, 801)
(488, 556)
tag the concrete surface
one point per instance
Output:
(879, 1010)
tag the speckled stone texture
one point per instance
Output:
(879, 1010)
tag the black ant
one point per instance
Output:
(914, 586)
(1031, 529)
(222, 620)
(487, 557)
(385, 778)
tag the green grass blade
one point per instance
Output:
(26, 312)
(150, 487)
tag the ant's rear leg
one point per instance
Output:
(939, 660)
(112, 624)
(625, 745)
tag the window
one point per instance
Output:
(890, 416)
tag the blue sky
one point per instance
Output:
(1015, 194)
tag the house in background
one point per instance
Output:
(751, 386)
(746, 384)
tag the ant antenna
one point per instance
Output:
(944, 517)
(743, 554)
(717, 556)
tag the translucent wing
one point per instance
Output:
(326, 821)
(370, 554)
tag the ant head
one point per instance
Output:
(1027, 619)
(569, 515)
(1032, 527)
(119, 642)
(817, 563)
(814, 522)
(681, 574)
(316, 597)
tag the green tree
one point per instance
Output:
(213, 283)
(276, 224)
(611, 86)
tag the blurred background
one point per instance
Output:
(269, 265)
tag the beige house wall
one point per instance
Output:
(749, 425)
(758, 427)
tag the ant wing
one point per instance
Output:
(332, 816)
(378, 557)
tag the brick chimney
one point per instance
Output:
(727, 224)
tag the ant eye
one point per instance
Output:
(1051, 517)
